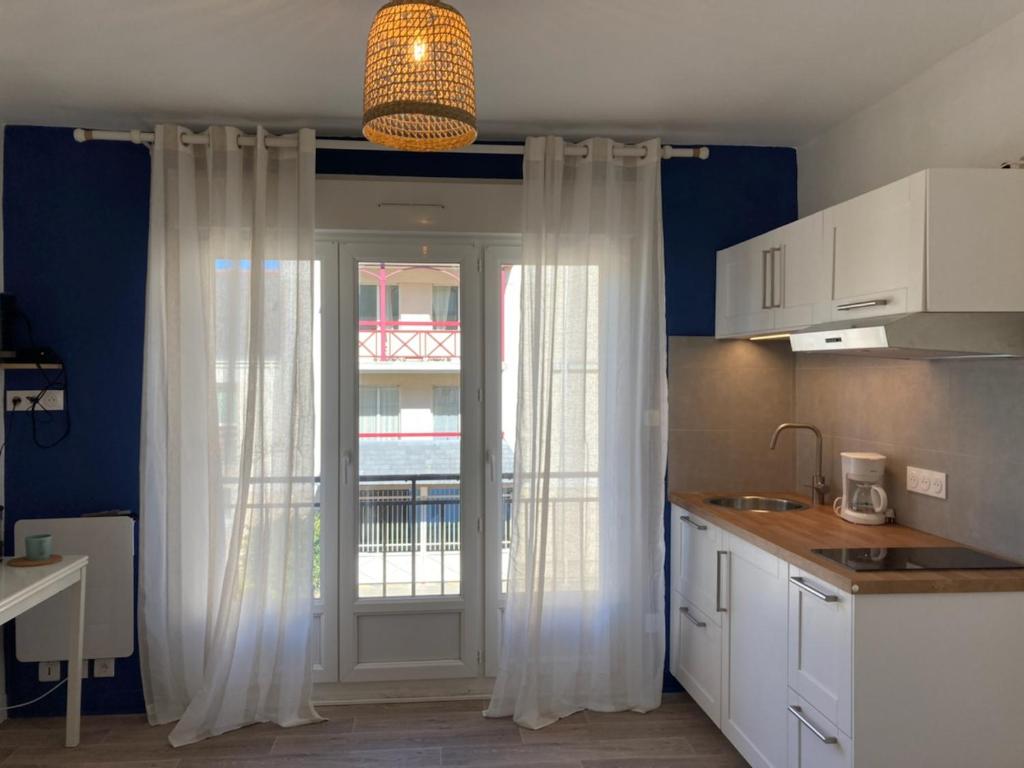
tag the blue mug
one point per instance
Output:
(39, 546)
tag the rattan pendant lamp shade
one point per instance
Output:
(419, 92)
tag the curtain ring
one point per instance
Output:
(136, 135)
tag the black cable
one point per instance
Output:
(37, 406)
(50, 383)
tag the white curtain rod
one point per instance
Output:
(575, 150)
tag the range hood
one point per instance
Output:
(921, 335)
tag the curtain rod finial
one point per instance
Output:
(81, 135)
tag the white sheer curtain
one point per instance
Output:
(584, 622)
(226, 519)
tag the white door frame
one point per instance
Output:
(495, 255)
(341, 609)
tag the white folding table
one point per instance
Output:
(24, 588)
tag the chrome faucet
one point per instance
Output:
(818, 485)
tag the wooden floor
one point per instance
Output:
(406, 735)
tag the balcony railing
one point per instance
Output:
(410, 340)
(409, 513)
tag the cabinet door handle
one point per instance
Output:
(862, 304)
(688, 519)
(695, 622)
(773, 251)
(765, 304)
(718, 580)
(781, 250)
(798, 713)
(798, 581)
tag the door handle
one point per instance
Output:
(862, 304)
(489, 458)
(688, 519)
(695, 622)
(346, 460)
(798, 581)
(718, 580)
(798, 713)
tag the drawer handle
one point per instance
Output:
(688, 519)
(862, 304)
(798, 581)
(695, 622)
(798, 713)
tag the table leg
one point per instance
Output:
(75, 662)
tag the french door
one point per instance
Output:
(416, 453)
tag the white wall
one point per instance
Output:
(965, 111)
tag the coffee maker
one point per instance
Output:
(864, 500)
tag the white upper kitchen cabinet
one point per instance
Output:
(776, 282)
(742, 304)
(942, 240)
(876, 242)
(801, 275)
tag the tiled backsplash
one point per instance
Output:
(725, 399)
(962, 417)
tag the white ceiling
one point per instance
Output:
(740, 71)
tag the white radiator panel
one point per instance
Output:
(42, 633)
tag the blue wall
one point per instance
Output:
(75, 233)
(76, 223)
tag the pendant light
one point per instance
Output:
(419, 91)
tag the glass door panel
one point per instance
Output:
(409, 358)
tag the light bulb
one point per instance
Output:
(419, 50)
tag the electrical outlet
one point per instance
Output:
(49, 671)
(24, 399)
(103, 668)
(927, 482)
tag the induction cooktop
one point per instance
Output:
(915, 559)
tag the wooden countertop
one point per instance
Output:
(792, 535)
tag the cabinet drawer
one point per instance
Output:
(696, 656)
(820, 646)
(814, 741)
(696, 574)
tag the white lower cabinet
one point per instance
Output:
(801, 674)
(754, 655)
(820, 653)
(696, 656)
(814, 742)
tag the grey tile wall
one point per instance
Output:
(725, 399)
(962, 417)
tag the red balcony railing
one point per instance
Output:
(409, 340)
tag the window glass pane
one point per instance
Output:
(378, 410)
(446, 409)
(394, 307)
(388, 415)
(446, 303)
(511, 279)
(367, 302)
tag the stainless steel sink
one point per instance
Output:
(756, 503)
